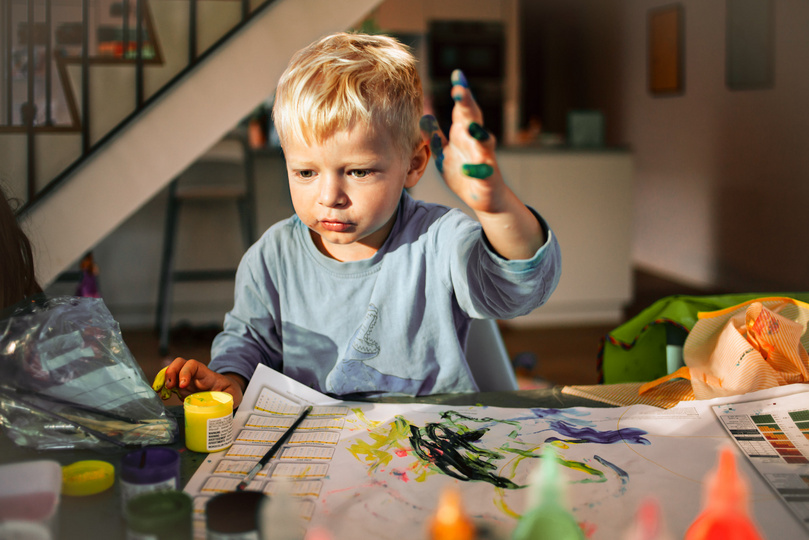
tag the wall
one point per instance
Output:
(413, 17)
(208, 237)
(570, 59)
(721, 175)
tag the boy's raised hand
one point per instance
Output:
(469, 167)
(468, 164)
(187, 377)
(466, 161)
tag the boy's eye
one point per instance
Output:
(306, 174)
(360, 173)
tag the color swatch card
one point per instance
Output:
(774, 435)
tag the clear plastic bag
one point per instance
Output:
(68, 380)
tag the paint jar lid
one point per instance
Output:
(87, 477)
(220, 403)
(151, 466)
(234, 512)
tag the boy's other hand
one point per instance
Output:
(191, 376)
(467, 160)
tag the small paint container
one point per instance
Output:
(208, 421)
(29, 499)
(234, 516)
(149, 469)
(159, 515)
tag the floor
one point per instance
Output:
(564, 355)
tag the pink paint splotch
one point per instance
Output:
(401, 475)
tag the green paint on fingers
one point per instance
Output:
(478, 132)
(480, 170)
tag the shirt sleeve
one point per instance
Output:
(250, 335)
(488, 286)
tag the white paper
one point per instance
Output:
(370, 482)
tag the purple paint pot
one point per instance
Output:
(147, 470)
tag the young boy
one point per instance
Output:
(365, 291)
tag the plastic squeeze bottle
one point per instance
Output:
(547, 516)
(725, 506)
(450, 522)
(649, 523)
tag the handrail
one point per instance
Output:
(34, 123)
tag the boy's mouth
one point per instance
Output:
(335, 226)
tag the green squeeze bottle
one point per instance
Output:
(547, 516)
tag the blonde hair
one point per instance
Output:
(348, 79)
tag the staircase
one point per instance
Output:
(132, 142)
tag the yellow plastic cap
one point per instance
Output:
(87, 477)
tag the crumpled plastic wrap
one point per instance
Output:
(68, 380)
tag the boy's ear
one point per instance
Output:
(418, 164)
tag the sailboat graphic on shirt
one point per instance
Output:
(363, 346)
(353, 375)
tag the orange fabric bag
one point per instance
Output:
(755, 345)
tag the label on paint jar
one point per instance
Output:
(128, 491)
(220, 433)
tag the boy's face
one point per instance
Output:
(346, 189)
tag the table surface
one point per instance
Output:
(100, 515)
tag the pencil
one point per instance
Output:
(271, 452)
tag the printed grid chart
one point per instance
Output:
(297, 469)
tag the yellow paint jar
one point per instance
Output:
(208, 421)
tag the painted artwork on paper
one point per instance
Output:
(378, 470)
(405, 461)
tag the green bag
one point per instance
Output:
(649, 345)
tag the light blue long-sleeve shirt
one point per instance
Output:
(396, 323)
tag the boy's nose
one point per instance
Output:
(332, 193)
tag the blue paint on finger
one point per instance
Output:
(458, 78)
(437, 148)
(428, 124)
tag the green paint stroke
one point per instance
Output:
(583, 467)
(449, 447)
(479, 170)
(478, 132)
(452, 417)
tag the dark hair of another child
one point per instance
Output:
(18, 280)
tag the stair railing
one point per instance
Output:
(35, 45)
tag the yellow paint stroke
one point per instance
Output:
(363, 420)
(499, 501)
(388, 441)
